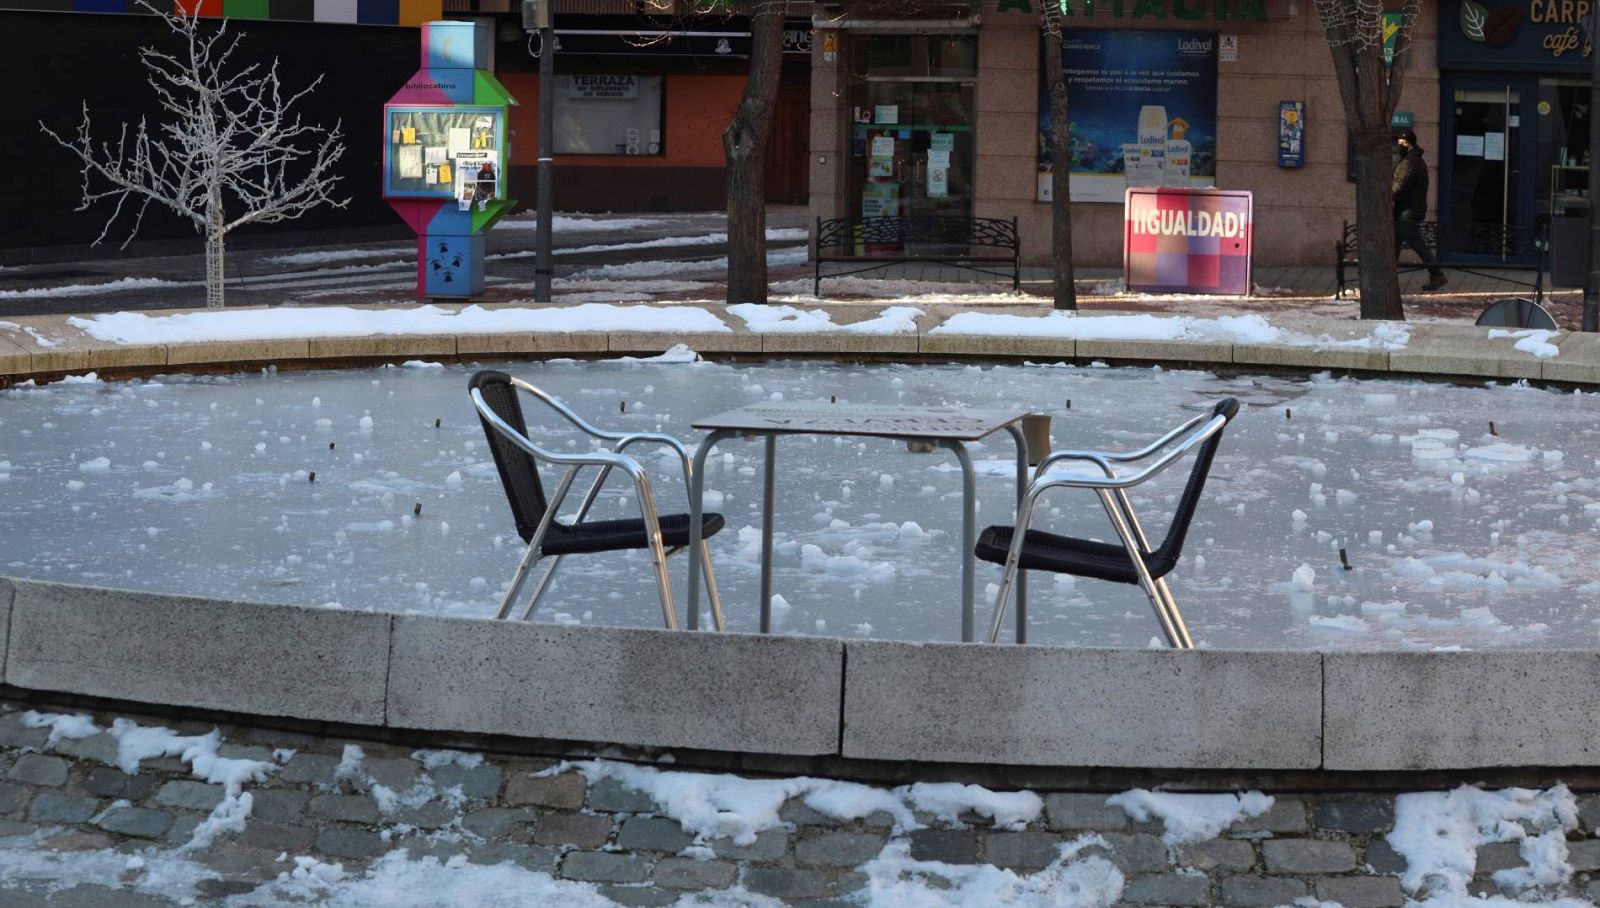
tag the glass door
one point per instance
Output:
(1486, 192)
(911, 130)
(919, 148)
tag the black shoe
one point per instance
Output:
(1435, 283)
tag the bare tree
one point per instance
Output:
(1064, 290)
(228, 151)
(744, 144)
(1370, 89)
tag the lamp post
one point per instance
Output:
(537, 16)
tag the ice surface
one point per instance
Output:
(1512, 533)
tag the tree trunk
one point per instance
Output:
(745, 145)
(1380, 278)
(215, 258)
(1064, 291)
(1369, 91)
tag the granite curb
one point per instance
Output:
(50, 346)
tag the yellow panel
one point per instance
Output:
(416, 12)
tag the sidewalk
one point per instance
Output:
(606, 257)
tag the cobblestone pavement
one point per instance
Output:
(82, 825)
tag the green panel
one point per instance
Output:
(499, 208)
(487, 90)
(245, 9)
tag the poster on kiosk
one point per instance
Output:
(444, 157)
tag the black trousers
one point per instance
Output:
(1408, 235)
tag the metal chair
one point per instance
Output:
(495, 394)
(1133, 561)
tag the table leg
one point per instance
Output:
(969, 537)
(697, 488)
(768, 493)
(1022, 489)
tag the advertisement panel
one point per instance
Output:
(1142, 108)
(1187, 241)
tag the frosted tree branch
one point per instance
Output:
(226, 148)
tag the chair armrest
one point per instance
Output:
(1122, 456)
(1112, 481)
(593, 458)
(677, 446)
(568, 413)
(1055, 457)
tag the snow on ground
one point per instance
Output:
(1191, 818)
(799, 290)
(575, 223)
(769, 319)
(1439, 834)
(1238, 329)
(337, 255)
(126, 283)
(776, 258)
(340, 321)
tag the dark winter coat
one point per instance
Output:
(1411, 186)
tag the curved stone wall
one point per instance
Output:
(861, 701)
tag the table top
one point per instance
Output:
(797, 417)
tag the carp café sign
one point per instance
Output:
(1187, 241)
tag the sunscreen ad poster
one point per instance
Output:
(1142, 108)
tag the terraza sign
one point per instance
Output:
(603, 87)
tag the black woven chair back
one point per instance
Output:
(1166, 555)
(519, 474)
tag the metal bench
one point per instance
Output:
(984, 245)
(1472, 249)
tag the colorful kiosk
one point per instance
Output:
(444, 161)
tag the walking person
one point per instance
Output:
(1411, 206)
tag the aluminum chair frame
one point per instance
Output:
(1112, 491)
(606, 461)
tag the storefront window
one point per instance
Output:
(608, 115)
(911, 111)
(1563, 122)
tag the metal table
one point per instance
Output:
(945, 427)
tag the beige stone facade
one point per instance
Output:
(1298, 212)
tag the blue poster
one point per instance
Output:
(1142, 108)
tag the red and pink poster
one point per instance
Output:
(1187, 240)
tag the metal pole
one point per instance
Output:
(1591, 284)
(768, 494)
(546, 181)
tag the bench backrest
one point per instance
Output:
(952, 231)
(1468, 239)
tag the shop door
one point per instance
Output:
(1486, 175)
(914, 144)
(787, 165)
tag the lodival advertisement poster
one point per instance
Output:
(1142, 108)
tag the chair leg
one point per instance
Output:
(540, 586)
(1177, 636)
(711, 588)
(1176, 616)
(518, 579)
(1008, 577)
(658, 551)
